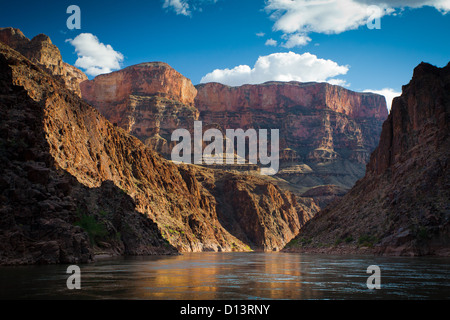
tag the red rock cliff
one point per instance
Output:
(156, 79)
(312, 115)
(279, 97)
(326, 132)
(418, 122)
(149, 100)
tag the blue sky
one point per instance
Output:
(197, 37)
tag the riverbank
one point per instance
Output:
(402, 251)
(342, 250)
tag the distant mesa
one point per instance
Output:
(328, 128)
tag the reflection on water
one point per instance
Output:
(207, 276)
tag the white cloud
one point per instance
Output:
(441, 5)
(271, 42)
(321, 16)
(388, 93)
(295, 40)
(95, 57)
(336, 16)
(179, 6)
(185, 7)
(260, 34)
(285, 66)
(339, 82)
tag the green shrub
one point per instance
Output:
(422, 233)
(292, 243)
(367, 240)
(298, 242)
(348, 239)
(305, 241)
(95, 230)
(103, 213)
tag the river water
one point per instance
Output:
(234, 276)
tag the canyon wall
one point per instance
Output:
(317, 121)
(401, 206)
(74, 185)
(326, 132)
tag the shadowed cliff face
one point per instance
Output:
(41, 51)
(402, 205)
(47, 216)
(74, 185)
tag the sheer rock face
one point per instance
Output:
(149, 100)
(418, 123)
(278, 97)
(63, 165)
(43, 52)
(402, 204)
(154, 78)
(315, 120)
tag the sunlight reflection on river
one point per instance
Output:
(208, 276)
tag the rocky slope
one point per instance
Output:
(47, 215)
(401, 206)
(74, 185)
(42, 51)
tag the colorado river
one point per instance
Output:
(232, 276)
